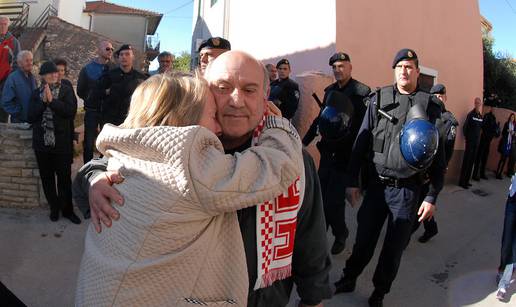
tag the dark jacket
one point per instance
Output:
(311, 262)
(118, 87)
(362, 149)
(87, 88)
(285, 94)
(473, 127)
(339, 151)
(63, 109)
(489, 126)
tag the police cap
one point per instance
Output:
(339, 56)
(215, 43)
(404, 54)
(283, 61)
(438, 89)
(122, 48)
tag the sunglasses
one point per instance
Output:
(110, 49)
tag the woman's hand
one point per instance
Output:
(47, 93)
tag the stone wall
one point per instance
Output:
(19, 174)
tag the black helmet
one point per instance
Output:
(335, 119)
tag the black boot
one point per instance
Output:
(54, 215)
(73, 218)
(427, 235)
(338, 246)
(376, 299)
(345, 285)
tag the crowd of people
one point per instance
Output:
(205, 193)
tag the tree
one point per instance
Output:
(182, 62)
(499, 75)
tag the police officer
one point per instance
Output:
(118, 85)
(393, 189)
(447, 126)
(490, 130)
(285, 91)
(335, 151)
(471, 129)
(210, 49)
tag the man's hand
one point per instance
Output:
(426, 211)
(273, 109)
(353, 196)
(101, 194)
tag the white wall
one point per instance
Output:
(303, 31)
(35, 10)
(71, 10)
(127, 29)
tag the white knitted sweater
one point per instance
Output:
(178, 241)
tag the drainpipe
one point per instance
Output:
(225, 29)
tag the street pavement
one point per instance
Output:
(39, 259)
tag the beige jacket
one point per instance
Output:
(178, 240)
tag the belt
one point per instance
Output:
(398, 182)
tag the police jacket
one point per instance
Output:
(372, 142)
(285, 94)
(340, 150)
(311, 262)
(489, 126)
(117, 88)
(473, 126)
(87, 88)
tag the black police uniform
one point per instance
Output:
(335, 156)
(285, 95)
(471, 129)
(390, 194)
(118, 87)
(447, 129)
(490, 130)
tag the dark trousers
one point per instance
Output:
(512, 161)
(334, 200)
(479, 169)
(399, 207)
(508, 252)
(8, 299)
(92, 122)
(429, 225)
(51, 166)
(4, 116)
(470, 154)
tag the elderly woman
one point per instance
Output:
(50, 112)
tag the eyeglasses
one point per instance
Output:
(110, 49)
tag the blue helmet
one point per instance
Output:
(419, 140)
(335, 120)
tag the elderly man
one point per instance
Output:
(166, 63)
(210, 49)
(18, 88)
(273, 72)
(9, 48)
(87, 90)
(239, 83)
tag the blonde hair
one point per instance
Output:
(171, 99)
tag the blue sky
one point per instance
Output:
(175, 29)
(502, 15)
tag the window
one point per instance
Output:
(213, 2)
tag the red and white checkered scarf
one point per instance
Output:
(276, 222)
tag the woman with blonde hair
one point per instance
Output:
(178, 241)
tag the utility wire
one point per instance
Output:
(179, 7)
(510, 5)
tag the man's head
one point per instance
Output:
(166, 61)
(283, 67)
(125, 56)
(273, 72)
(406, 70)
(24, 60)
(61, 67)
(105, 50)
(240, 84)
(210, 49)
(478, 104)
(341, 66)
(439, 90)
(4, 24)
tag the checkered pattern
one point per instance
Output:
(267, 233)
